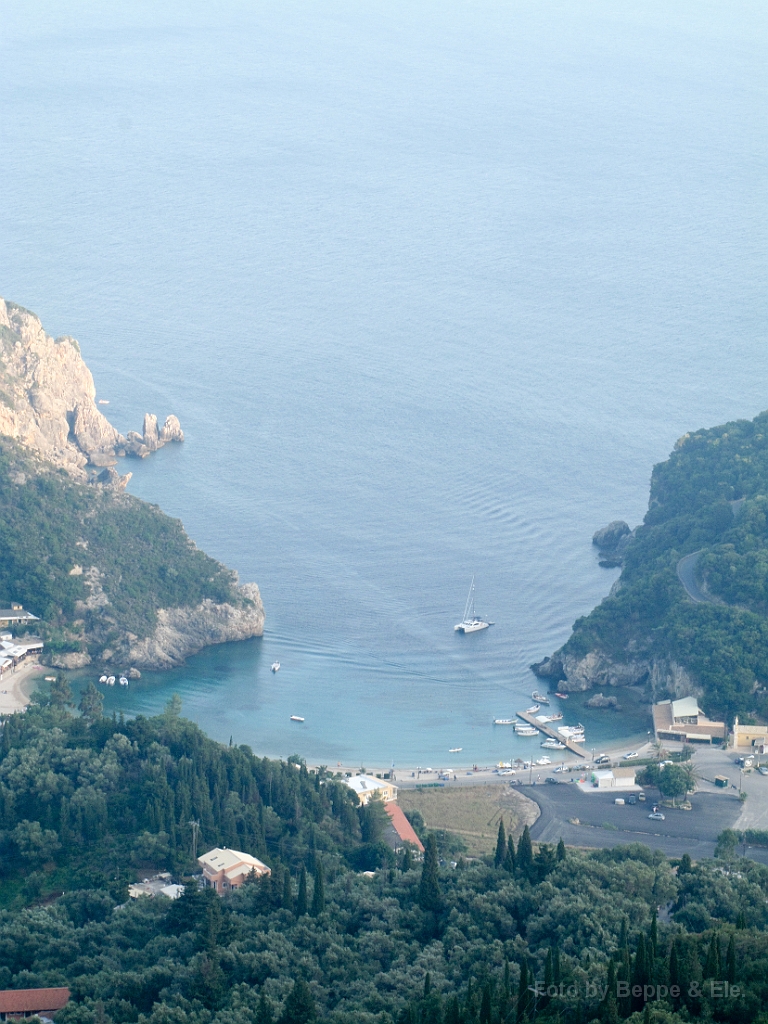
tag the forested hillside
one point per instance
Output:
(87, 802)
(711, 496)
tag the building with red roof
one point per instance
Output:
(401, 830)
(31, 1002)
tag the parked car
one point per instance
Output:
(632, 799)
(564, 768)
(552, 780)
(763, 770)
(630, 756)
(603, 759)
(656, 816)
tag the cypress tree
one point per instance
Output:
(453, 1013)
(623, 938)
(509, 857)
(301, 902)
(639, 976)
(525, 854)
(287, 900)
(549, 970)
(501, 845)
(522, 992)
(318, 893)
(609, 1012)
(730, 963)
(561, 854)
(686, 865)
(506, 994)
(300, 1005)
(556, 963)
(427, 984)
(407, 863)
(430, 897)
(741, 920)
(654, 935)
(674, 972)
(718, 957)
(485, 1005)
(711, 965)
(647, 1014)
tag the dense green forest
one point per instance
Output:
(711, 495)
(49, 524)
(549, 934)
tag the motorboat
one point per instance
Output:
(102, 679)
(123, 681)
(544, 761)
(296, 718)
(553, 744)
(532, 710)
(539, 698)
(472, 622)
(503, 721)
(523, 729)
(275, 666)
(562, 696)
(455, 750)
(110, 680)
(103, 401)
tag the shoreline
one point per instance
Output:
(16, 688)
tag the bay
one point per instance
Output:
(431, 288)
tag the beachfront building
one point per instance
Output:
(224, 870)
(15, 615)
(614, 778)
(684, 720)
(13, 652)
(32, 1002)
(400, 832)
(366, 785)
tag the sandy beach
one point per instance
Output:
(15, 687)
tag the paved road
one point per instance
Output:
(694, 832)
(686, 571)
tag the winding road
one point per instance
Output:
(686, 571)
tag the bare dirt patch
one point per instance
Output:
(472, 812)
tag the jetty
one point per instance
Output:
(546, 728)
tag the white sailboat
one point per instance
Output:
(471, 622)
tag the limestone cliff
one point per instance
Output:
(47, 403)
(575, 674)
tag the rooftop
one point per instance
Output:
(32, 1000)
(227, 860)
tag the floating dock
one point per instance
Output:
(546, 728)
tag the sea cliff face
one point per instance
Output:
(48, 404)
(574, 674)
(113, 580)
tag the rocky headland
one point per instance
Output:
(113, 580)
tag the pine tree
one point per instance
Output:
(525, 854)
(730, 962)
(318, 893)
(300, 1005)
(430, 897)
(561, 854)
(301, 901)
(501, 845)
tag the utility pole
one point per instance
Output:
(195, 829)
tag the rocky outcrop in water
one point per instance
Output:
(47, 403)
(181, 632)
(613, 540)
(575, 674)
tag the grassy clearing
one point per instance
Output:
(471, 812)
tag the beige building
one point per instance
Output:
(224, 870)
(366, 785)
(684, 720)
(616, 778)
(752, 736)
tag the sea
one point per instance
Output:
(431, 286)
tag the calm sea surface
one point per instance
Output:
(430, 285)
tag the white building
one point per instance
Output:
(366, 785)
(616, 778)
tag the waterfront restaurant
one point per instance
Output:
(684, 720)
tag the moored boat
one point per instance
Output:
(455, 750)
(562, 696)
(532, 710)
(553, 744)
(123, 681)
(503, 721)
(523, 729)
(275, 666)
(102, 679)
(296, 718)
(110, 680)
(472, 622)
(539, 698)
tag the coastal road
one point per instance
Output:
(686, 571)
(694, 832)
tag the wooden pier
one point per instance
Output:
(546, 728)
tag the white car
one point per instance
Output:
(561, 768)
(630, 756)
(507, 771)
(663, 764)
(656, 816)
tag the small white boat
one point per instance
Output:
(562, 696)
(503, 721)
(123, 681)
(539, 698)
(544, 761)
(455, 750)
(551, 744)
(296, 718)
(110, 680)
(532, 710)
(275, 666)
(102, 679)
(471, 622)
(103, 401)
(526, 730)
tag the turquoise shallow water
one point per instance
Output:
(430, 286)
